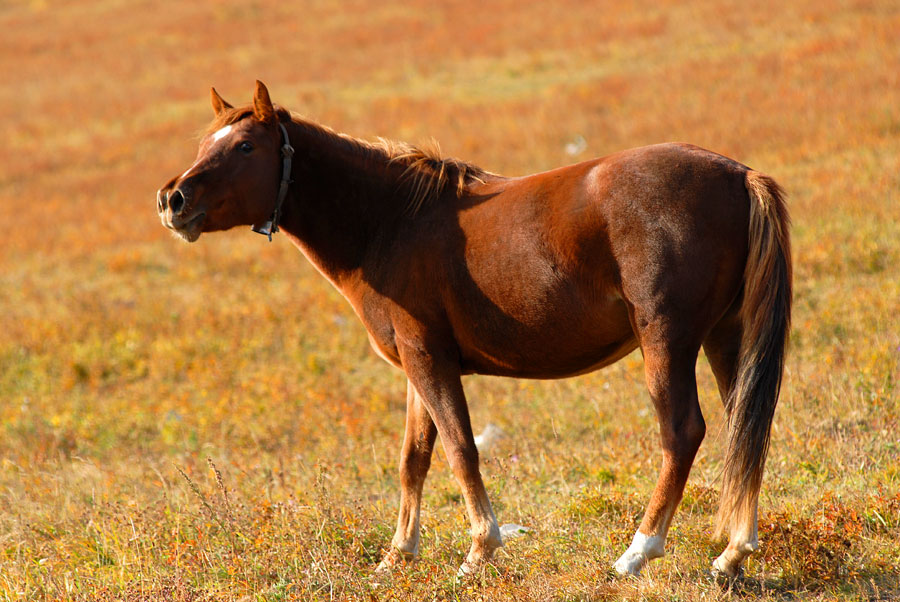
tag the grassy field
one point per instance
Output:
(207, 422)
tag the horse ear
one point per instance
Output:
(262, 104)
(219, 104)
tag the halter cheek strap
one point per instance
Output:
(270, 226)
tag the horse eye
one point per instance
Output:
(245, 147)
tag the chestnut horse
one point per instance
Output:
(454, 270)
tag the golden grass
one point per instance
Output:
(132, 365)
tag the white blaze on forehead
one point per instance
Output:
(221, 133)
(218, 135)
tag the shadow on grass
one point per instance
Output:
(872, 587)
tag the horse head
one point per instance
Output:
(235, 179)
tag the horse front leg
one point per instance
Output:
(415, 459)
(438, 384)
(672, 383)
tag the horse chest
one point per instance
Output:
(381, 333)
(386, 350)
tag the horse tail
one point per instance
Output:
(766, 318)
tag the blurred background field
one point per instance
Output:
(133, 366)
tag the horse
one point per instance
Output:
(454, 270)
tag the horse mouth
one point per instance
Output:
(190, 230)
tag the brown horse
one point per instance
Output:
(454, 270)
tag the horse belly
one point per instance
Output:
(563, 334)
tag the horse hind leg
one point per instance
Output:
(672, 383)
(722, 348)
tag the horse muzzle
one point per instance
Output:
(176, 214)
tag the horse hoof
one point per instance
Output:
(392, 558)
(468, 569)
(383, 568)
(631, 564)
(721, 572)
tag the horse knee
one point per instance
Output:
(415, 459)
(683, 439)
(463, 458)
(412, 473)
(695, 431)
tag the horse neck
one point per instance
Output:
(342, 203)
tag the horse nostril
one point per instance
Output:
(176, 202)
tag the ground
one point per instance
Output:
(206, 422)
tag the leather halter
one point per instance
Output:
(270, 226)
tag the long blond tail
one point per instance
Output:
(766, 318)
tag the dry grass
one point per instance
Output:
(132, 366)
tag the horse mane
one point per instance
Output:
(426, 173)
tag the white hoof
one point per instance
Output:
(642, 550)
(723, 567)
(630, 563)
(392, 558)
(729, 562)
(383, 568)
(720, 568)
(467, 569)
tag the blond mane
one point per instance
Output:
(427, 172)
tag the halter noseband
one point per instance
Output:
(270, 226)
